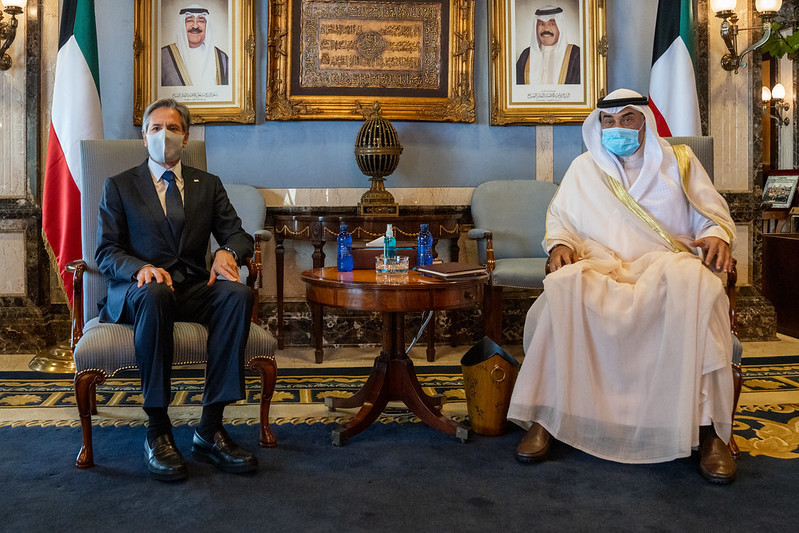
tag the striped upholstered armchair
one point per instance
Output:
(102, 350)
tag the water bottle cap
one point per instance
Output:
(389, 230)
(342, 227)
(423, 226)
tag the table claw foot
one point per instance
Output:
(339, 439)
(329, 404)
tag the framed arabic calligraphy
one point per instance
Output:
(332, 59)
(204, 57)
(548, 60)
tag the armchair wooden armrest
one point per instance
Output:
(483, 234)
(77, 268)
(732, 279)
(255, 270)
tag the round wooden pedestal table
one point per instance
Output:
(393, 377)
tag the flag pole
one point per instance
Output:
(76, 116)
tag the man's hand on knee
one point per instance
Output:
(717, 253)
(148, 273)
(561, 255)
(225, 266)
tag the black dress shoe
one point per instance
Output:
(223, 453)
(164, 461)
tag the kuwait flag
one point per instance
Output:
(672, 84)
(76, 115)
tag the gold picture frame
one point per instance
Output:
(520, 91)
(333, 59)
(160, 71)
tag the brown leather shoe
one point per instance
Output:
(715, 460)
(535, 445)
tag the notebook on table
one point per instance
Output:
(452, 270)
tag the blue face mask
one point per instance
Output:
(621, 141)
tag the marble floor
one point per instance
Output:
(297, 358)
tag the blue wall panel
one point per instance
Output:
(320, 153)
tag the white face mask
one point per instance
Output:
(165, 146)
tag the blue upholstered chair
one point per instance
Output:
(510, 222)
(102, 350)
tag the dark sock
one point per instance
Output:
(706, 432)
(211, 420)
(158, 423)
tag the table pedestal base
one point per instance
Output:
(393, 378)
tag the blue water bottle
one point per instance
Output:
(344, 254)
(424, 246)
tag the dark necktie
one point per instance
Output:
(174, 206)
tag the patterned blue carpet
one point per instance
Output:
(770, 429)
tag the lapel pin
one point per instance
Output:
(196, 181)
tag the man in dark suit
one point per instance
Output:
(155, 222)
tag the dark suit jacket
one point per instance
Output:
(133, 231)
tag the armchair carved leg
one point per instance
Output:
(267, 369)
(492, 297)
(492, 312)
(737, 380)
(737, 375)
(85, 397)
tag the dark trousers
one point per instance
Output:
(225, 308)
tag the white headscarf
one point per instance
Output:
(201, 61)
(653, 144)
(658, 188)
(554, 54)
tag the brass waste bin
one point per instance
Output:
(489, 373)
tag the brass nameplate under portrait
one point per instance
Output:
(378, 209)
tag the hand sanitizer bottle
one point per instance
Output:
(390, 243)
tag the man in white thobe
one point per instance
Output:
(628, 350)
(193, 59)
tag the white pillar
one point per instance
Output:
(544, 153)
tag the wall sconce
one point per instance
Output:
(777, 96)
(725, 10)
(8, 30)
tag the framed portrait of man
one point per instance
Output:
(199, 52)
(548, 60)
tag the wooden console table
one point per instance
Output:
(780, 283)
(319, 225)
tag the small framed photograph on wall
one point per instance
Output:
(780, 188)
(548, 60)
(202, 54)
